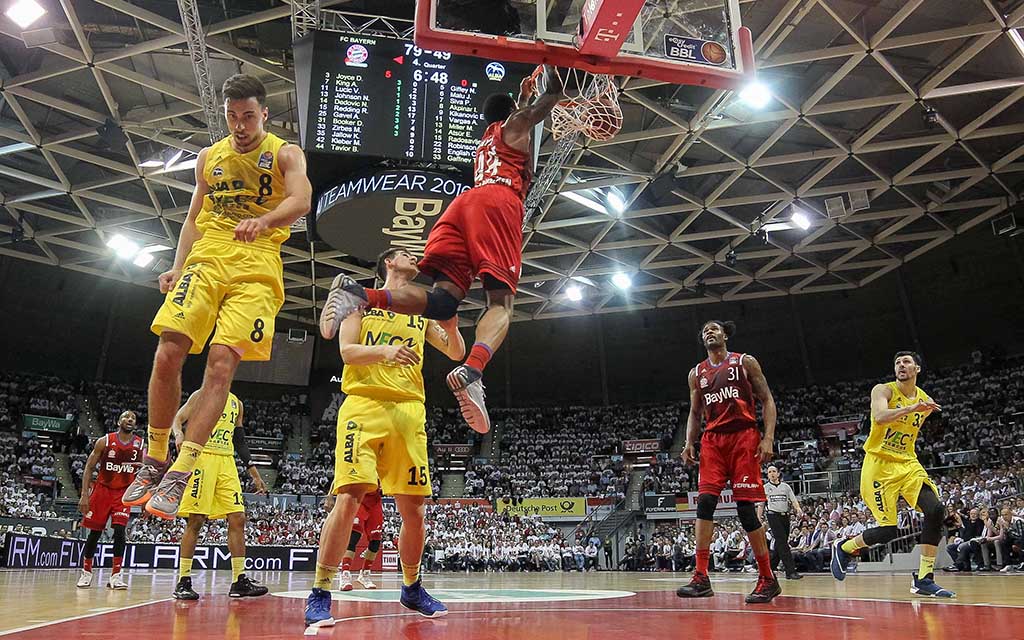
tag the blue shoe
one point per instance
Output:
(839, 560)
(318, 609)
(926, 587)
(415, 597)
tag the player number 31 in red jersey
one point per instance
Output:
(723, 390)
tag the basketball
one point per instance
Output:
(713, 52)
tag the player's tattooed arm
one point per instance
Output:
(446, 338)
(759, 385)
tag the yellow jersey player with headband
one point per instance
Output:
(227, 280)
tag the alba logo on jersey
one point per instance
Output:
(728, 393)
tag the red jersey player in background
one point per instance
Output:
(119, 455)
(369, 521)
(479, 235)
(723, 389)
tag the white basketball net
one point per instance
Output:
(591, 106)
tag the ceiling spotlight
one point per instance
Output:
(24, 12)
(730, 258)
(615, 201)
(930, 116)
(143, 260)
(123, 247)
(799, 218)
(574, 293)
(622, 280)
(755, 95)
(586, 202)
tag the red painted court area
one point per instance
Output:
(657, 614)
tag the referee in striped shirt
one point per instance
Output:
(780, 499)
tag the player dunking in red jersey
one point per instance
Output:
(479, 235)
(369, 522)
(723, 388)
(119, 455)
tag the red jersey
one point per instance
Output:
(725, 395)
(119, 461)
(498, 163)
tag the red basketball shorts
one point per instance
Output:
(370, 519)
(481, 232)
(104, 503)
(731, 456)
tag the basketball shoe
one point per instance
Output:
(364, 579)
(117, 582)
(415, 597)
(926, 587)
(318, 609)
(467, 385)
(84, 580)
(765, 591)
(184, 590)
(346, 580)
(699, 587)
(148, 476)
(345, 297)
(167, 497)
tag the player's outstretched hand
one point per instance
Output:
(764, 451)
(168, 279)
(689, 454)
(926, 406)
(249, 229)
(401, 354)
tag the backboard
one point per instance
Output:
(698, 42)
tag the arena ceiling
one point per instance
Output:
(906, 113)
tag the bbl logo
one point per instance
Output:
(266, 160)
(495, 71)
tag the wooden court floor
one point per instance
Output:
(46, 605)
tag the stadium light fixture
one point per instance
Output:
(586, 202)
(143, 260)
(124, 248)
(574, 293)
(800, 219)
(622, 280)
(25, 12)
(173, 159)
(616, 201)
(756, 95)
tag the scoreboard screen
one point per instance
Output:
(378, 96)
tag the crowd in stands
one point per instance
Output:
(567, 451)
(268, 419)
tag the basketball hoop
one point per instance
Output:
(591, 106)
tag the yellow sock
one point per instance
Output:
(927, 566)
(410, 573)
(187, 457)
(237, 567)
(850, 546)
(324, 576)
(158, 439)
(185, 568)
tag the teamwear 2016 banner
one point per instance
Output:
(36, 552)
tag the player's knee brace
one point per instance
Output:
(747, 514)
(441, 305)
(119, 540)
(931, 529)
(374, 545)
(881, 535)
(353, 540)
(706, 504)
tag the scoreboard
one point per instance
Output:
(378, 96)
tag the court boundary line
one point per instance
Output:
(809, 614)
(83, 616)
